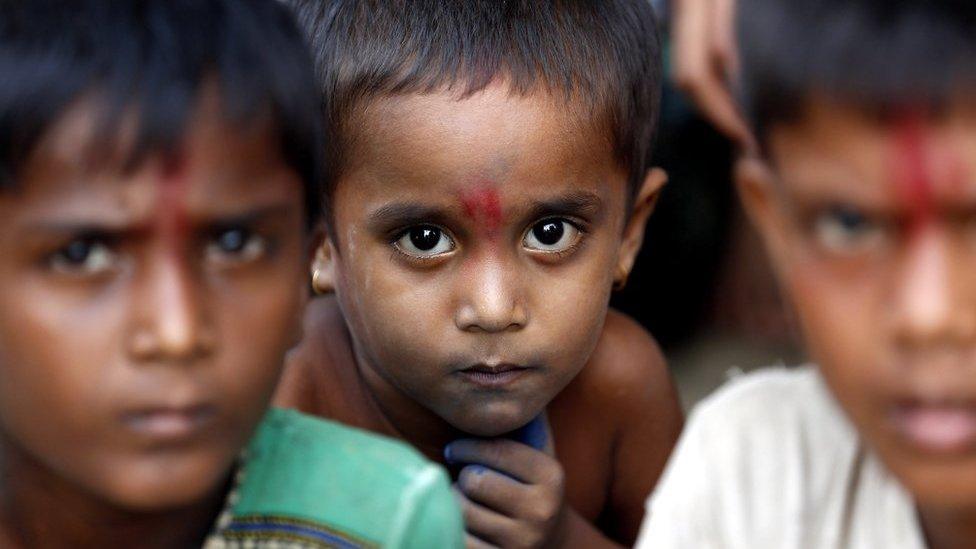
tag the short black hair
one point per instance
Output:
(884, 56)
(155, 58)
(604, 55)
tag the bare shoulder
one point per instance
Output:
(627, 387)
(629, 370)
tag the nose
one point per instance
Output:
(491, 300)
(170, 323)
(931, 302)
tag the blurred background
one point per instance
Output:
(702, 284)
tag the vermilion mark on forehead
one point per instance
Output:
(483, 204)
(171, 215)
(914, 170)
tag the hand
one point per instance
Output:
(511, 495)
(705, 58)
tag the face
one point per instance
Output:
(873, 229)
(144, 317)
(474, 248)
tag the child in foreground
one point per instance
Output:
(158, 178)
(490, 184)
(866, 199)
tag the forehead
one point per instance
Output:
(493, 135)
(215, 160)
(845, 150)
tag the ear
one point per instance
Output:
(633, 237)
(323, 264)
(758, 193)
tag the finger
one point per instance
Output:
(715, 102)
(505, 496)
(472, 542)
(690, 35)
(507, 456)
(697, 73)
(494, 490)
(487, 525)
(724, 43)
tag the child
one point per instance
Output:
(158, 173)
(490, 184)
(866, 201)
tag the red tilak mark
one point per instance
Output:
(171, 217)
(484, 205)
(914, 171)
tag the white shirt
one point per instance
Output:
(770, 461)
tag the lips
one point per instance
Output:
(170, 424)
(937, 428)
(493, 376)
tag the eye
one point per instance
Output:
(552, 235)
(236, 245)
(847, 230)
(83, 256)
(424, 241)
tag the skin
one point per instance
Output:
(870, 225)
(705, 60)
(144, 318)
(389, 350)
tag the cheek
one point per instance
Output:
(393, 314)
(569, 305)
(837, 310)
(399, 332)
(58, 357)
(59, 372)
(842, 328)
(257, 326)
(572, 303)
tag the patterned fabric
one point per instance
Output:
(272, 532)
(306, 483)
(283, 529)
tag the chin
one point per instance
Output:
(491, 420)
(942, 487)
(160, 488)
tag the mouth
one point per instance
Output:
(936, 428)
(170, 424)
(497, 376)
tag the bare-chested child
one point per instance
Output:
(159, 180)
(490, 184)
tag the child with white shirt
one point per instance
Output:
(865, 196)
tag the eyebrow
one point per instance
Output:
(823, 193)
(580, 203)
(249, 217)
(397, 214)
(124, 224)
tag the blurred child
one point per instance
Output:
(158, 177)
(866, 199)
(490, 185)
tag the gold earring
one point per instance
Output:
(316, 287)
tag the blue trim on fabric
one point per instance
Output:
(271, 528)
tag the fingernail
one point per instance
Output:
(479, 469)
(447, 454)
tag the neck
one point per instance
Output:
(949, 529)
(40, 509)
(408, 419)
